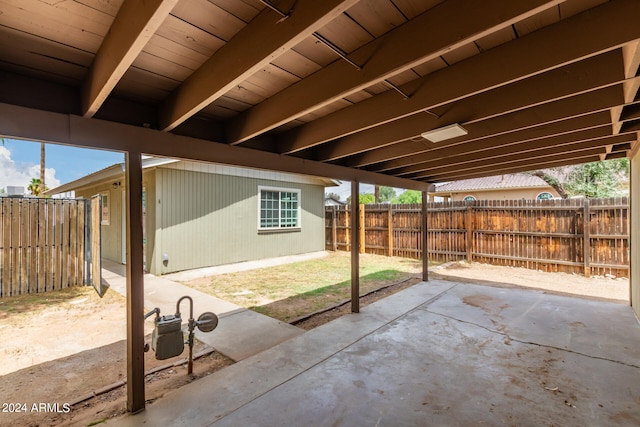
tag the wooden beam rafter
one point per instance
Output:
(435, 32)
(130, 31)
(584, 76)
(503, 158)
(593, 125)
(17, 122)
(243, 55)
(539, 51)
(580, 105)
(573, 158)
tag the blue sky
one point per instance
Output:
(20, 161)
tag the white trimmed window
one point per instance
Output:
(544, 196)
(279, 208)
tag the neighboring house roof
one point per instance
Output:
(117, 171)
(498, 182)
(330, 201)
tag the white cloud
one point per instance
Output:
(17, 174)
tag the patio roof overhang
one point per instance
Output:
(335, 83)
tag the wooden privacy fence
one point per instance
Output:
(586, 236)
(44, 244)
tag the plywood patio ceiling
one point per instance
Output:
(343, 82)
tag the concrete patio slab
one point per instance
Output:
(438, 362)
(240, 332)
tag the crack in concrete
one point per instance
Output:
(504, 334)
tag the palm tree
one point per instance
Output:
(35, 188)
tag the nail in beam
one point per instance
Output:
(135, 284)
(355, 247)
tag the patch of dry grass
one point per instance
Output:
(13, 309)
(289, 291)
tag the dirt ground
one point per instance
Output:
(559, 283)
(62, 353)
(70, 346)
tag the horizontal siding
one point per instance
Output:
(207, 219)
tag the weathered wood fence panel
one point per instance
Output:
(589, 237)
(42, 244)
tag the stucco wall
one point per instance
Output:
(205, 219)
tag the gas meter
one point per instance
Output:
(167, 339)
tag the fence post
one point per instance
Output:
(347, 221)
(469, 234)
(361, 230)
(390, 230)
(334, 229)
(587, 237)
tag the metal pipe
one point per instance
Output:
(397, 89)
(155, 310)
(336, 49)
(275, 9)
(192, 325)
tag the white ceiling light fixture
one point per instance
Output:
(444, 133)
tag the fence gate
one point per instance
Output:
(94, 237)
(47, 245)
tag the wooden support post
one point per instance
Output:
(390, 229)
(361, 242)
(425, 240)
(587, 238)
(469, 234)
(135, 285)
(334, 229)
(355, 248)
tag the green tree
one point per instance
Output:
(364, 199)
(387, 194)
(410, 196)
(606, 178)
(598, 179)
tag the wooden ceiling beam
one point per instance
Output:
(568, 108)
(500, 158)
(590, 74)
(130, 31)
(519, 169)
(631, 54)
(542, 50)
(17, 122)
(431, 34)
(265, 38)
(589, 126)
(591, 155)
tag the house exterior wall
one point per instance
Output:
(205, 219)
(111, 243)
(502, 194)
